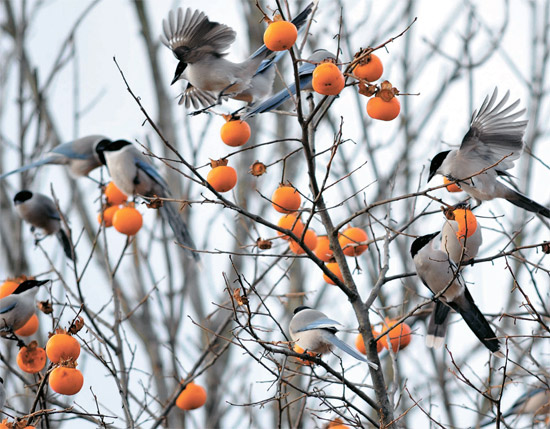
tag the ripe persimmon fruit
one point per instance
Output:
(114, 195)
(292, 223)
(280, 35)
(298, 349)
(360, 344)
(467, 223)
(335, 268)
(235, 132)
(400, 336)
(350, 241)
(192, 397)
(31, 358)
(61, 347)
(107, 216)
(370, 68)
(28, 328)
(453, 187)
(286, 199)
(328, 79)
(7, 288)
(384, 105)
(323, 250)
(127, 220)
(66, 380)
(310, 240)
(222, 178)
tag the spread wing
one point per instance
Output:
(193, 96)
(494, 133)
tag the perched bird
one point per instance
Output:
(200, 44)
(40, 211)
(305, 74)
(535, 402)
(81, 156)
(2, 394)
(132, 173)
(454, 247)
(493, 135)
(16, 309)
(439, 274)
(313, 331)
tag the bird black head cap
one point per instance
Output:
(22, 196)
(420, 242)
(28, 284)
(99, 148)
(300, 308)
(114, 146)
(436, 163)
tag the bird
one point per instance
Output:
(439, 274)
(305, 75)
(16, 309)
(455, 247)
(313, 331)
(132, 173)
(535, 402)
(81, 156)
(199, 46)
(495, 136)
(41, 212)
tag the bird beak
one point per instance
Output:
(430, 177)
(435, 234)
(174, 80)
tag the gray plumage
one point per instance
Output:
(305, 74)
(132, 173)
(454, 247)
(439, 274)
(313, 331)
(16, 309)
(81, 156)
(495, 133)
(2, 394)
(40, 211)
(200, 46)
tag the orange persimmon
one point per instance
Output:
(28, 328)
(31, 358)
(107, 215)
(61, 347)
(280, 35)
(222, 178)
(323, 250)
(192, 397)
(66, 380)
(310, 240)
(114, 195)
(360, 344)
(467, 223)
(350, 241)
(292, 223)
(384, 106)
(286, 199)
(453, 187)
(335, 268)
(400, 336)
(328, 79)
(235, 133)
(127, 220)
(370, 68)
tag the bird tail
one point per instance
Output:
(171, 215)
(271, 103)
(350, 351)
(67, 245)
(26, 167)
(526, 203)
(477, 322)
(437, 325)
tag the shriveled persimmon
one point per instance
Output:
(370, 68)
(235, 132)
(351, 241)
(400, 336)
(453, 187)
(192, 397)
(328, 79)
(323, 250)
(335, 268)
(280, 35)
(292, 223)
(222, 178)
(28, 328)
(467, 223)
(107, 215)
(286, 199)
(360, 344)
(114, 195)
(31, 359)
(61, 347)
(127, 220)
(310, 240)
(66, 380)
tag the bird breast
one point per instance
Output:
(313, 341)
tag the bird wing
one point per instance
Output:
(494, 133)
(152, 173)
(8, 306)
(193, 30)
(28, 166)
(322, 323)
(197, 97)
(68, 150)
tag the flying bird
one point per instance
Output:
(132, 173)
(305, 75)
(200, 47)
(313, 331)
(40, 211)
(16, 309)
(440, 274)
(495, 136)
(81, 156)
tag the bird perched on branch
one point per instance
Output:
(41, 212)
(305, 74)
(200, 44)
(81, 156)
(313, 331)
(495, 138)
(16, 309)
(439, 274)
(132, 173)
